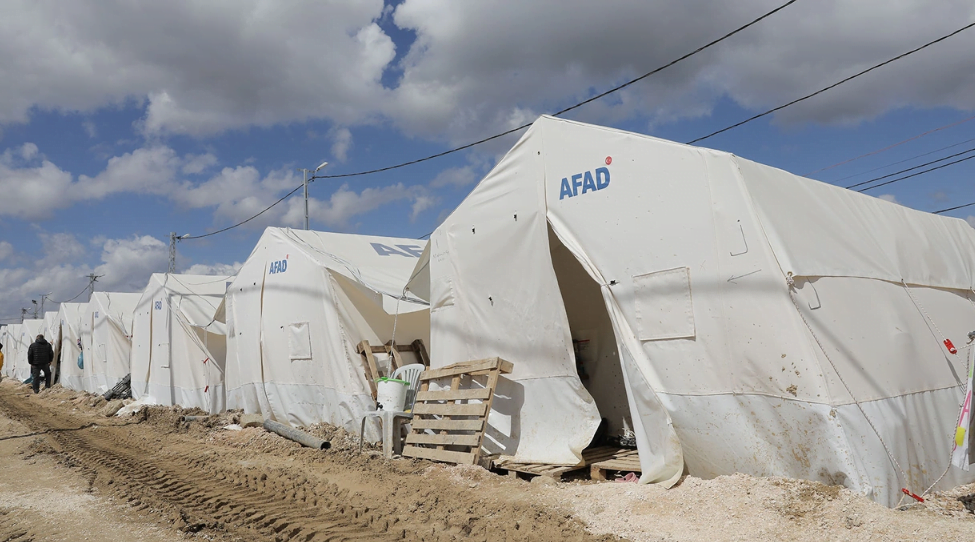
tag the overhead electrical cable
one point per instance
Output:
(916, 174)
(513, 130)
(75, 297)
(834, 85)
(888, 147)
(954, 208)
(919, 166)
(570, 108)
(885, 166)
(242, 222)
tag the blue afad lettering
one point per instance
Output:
(279, 266)
(409, 251)
(584, 182)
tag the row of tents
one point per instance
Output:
(730, 316)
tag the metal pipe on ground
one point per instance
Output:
(300, 437)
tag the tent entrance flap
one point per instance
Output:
(593, 340)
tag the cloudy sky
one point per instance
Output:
(121, 121)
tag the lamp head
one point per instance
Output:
(321, 166)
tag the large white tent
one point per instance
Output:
(295, 313)
(70, 316)
(737, 317)
(178, 349)
(106, 336)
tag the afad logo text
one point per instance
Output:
(588, 181)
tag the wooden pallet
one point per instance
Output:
(627, 460)
(447, 418)
(599, 455)
(367, 353)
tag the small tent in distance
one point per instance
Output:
(178, 349)
(106, 338)
(70, 316)
(11, 350)
(297, 310)
(735, 317)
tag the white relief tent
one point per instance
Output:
(69, 317)
(29, 330)
(737, 317)
(51, 327)
(8, 339)
(297, 310)
(106, 337)
(178, 349)
(11, 351)
(52, 332)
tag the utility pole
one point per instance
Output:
(172, 249)
(44, 298)
(23, 315)
(172, 252)
(305, 185)
(34, 301)
(92, 278)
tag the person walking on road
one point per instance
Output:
(39, 356)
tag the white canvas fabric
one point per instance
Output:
(106, 337)
(69, 317)
(735, 317)
(178, 349)
(51, 327)
(295, 313)
(11, 346)
(29, 331)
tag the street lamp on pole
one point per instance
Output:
(305, 185)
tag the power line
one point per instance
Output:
(885, 166)
(954, 208)
(916, 174)
(570, 108)
(513, 130)
(242, 222)
(919, 166)
(888, 147)
(75, 297)
(834, 85)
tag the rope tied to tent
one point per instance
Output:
(930, 321)
(961, 407)
(790, 281)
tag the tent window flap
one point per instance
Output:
(663, 305)
(299, 341)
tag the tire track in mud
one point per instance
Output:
(10, 530)
(245, 504)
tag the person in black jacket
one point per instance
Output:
(39, 356)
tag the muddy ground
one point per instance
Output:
(68, 472)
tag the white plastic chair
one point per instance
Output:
(411, 374)
(391, 420)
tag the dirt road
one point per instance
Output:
(68, 473)
(195, 480)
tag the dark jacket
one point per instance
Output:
(40, 353)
